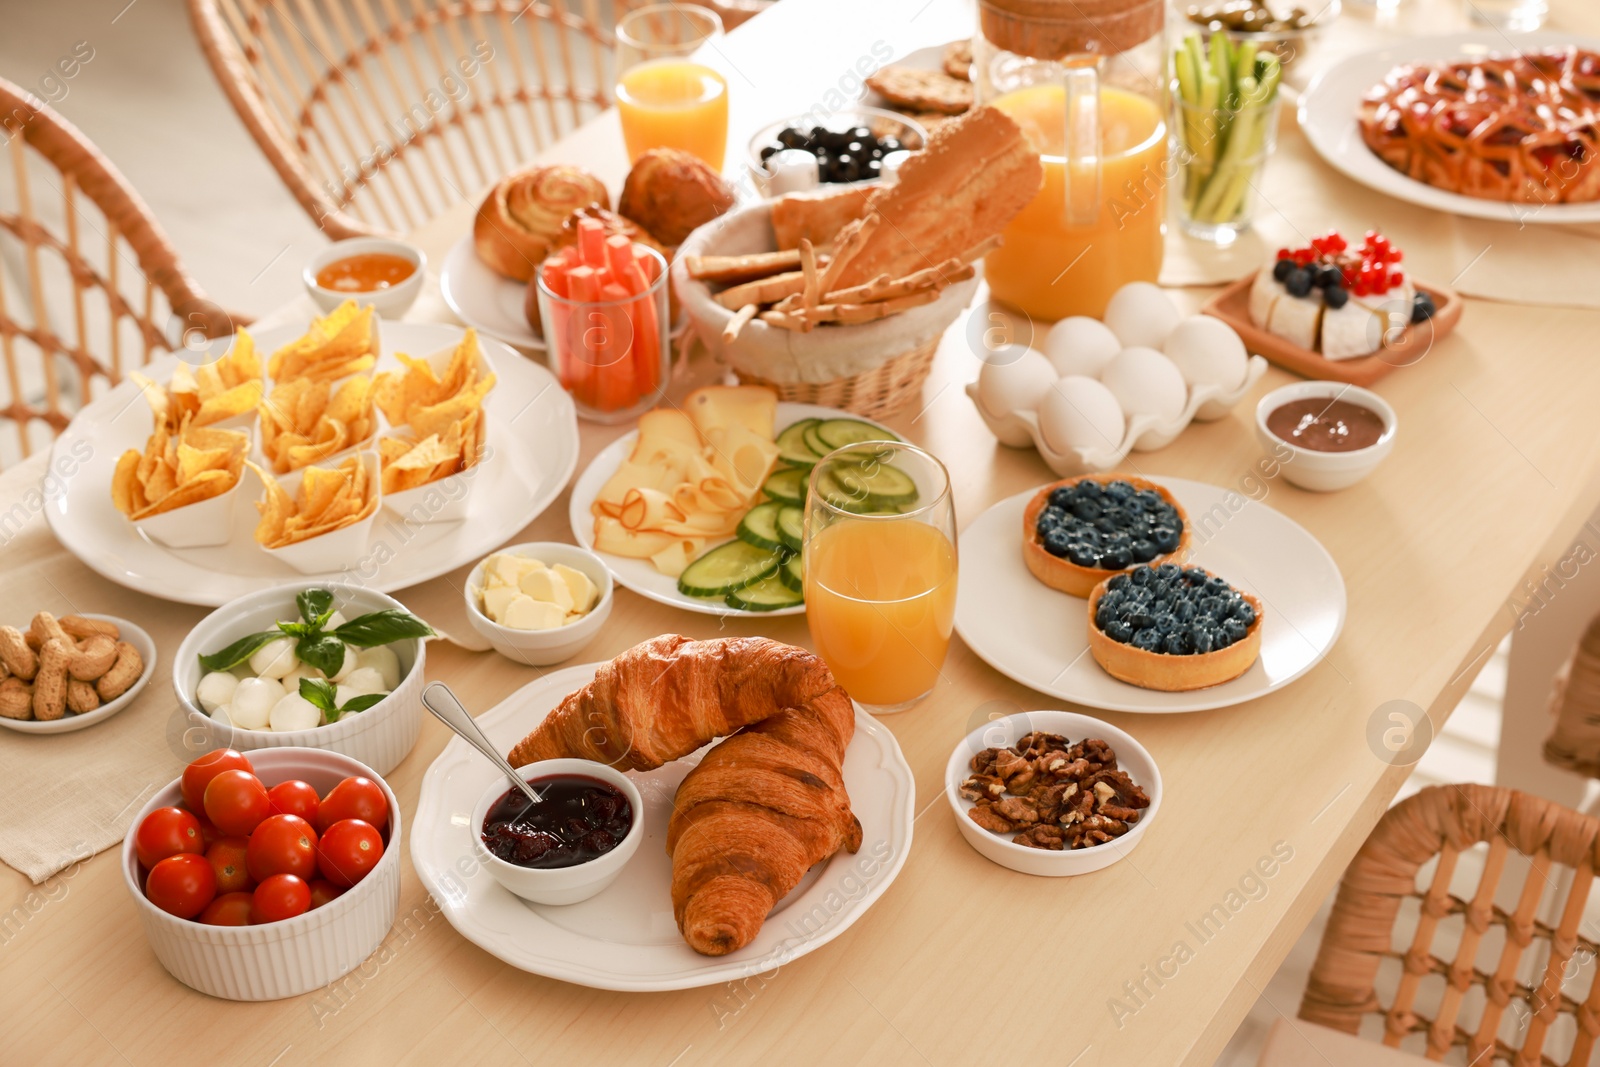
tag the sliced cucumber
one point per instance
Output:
(792, 573)
(836, 433)
(854, 501)
(792, 447)
(813, 442)
(728, 567)
(759, 527)
(787, 486)
(791, 527)
(769, 594)
(879, 484)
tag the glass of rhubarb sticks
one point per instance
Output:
(603, 303)
(1225, 125)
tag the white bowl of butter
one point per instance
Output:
(539, 603)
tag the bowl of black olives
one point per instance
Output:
(849, 146)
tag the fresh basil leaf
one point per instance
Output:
(237, 653)
(361, 703)
(322, 651)
(314, 603)
(382, 627)
(318, 693)
(297, 629)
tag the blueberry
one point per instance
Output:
(1144, 550)
(1147, 639)
(1183, 611)
(1061, 497)
(1234, 630)
(1168, 571)
(1089, 489)
(1115, 557)
(1336, 296)
(1118, 630)
(1211, 605)
(1422, 307)
(1140, 576)
(1298, 282)
(1150, 498)
(1195, 575)
(1085, 509)
(1200, 638)
(1105, 613)
(1134, 510)
(1218, 585)
(1118, 583)
(1119, 490)
(1165, 623)
(1328, 277)
(1281, 269)
(790, 137)
(1081, 555)
(1055, 516)
(1056, 542)
(1219, 640)
(1139, 617)
(1244, 612)
(1175, 644)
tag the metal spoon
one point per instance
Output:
(438, 699)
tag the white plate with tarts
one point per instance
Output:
(1040, 637)
(625, 937)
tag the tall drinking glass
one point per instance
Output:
(664, 97)
(880, 570)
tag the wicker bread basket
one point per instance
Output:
(870, 369)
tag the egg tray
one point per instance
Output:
(1144, 433)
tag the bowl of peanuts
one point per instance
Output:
(66, 674)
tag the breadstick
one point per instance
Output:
(80, 627)
(851, 241)
(50, 686)
(784, 320)
(19, 659)
(810, 295)
(934, 278)
(730, 332)
(123, 673)
(744, 268)
(763, 290)
(851, 314)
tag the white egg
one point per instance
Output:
(1080, 345)
(294, 712)
(1141, 314)
(383, 659)
(1013, 378)
(252, 702)
(215, 690)
(274, 659)
(362, 680)
(1080, 413)
(1207, 351)
(351, 660)
(1146, 383)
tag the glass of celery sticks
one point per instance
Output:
(1225, 125)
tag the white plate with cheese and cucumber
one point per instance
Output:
(761, 569)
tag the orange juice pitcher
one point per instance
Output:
(1086, 80)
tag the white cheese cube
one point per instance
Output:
(547, 586)
(526, 613)
(584, 594)
(1263, 294)
(1296, 320)
(1351, 331)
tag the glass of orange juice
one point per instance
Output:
(880, 570)
(664, 97)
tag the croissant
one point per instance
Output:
(662, 699)
(748, 822)
(520, 219)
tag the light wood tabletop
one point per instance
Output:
(960, 961)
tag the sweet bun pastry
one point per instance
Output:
(613, 223)
(1080, 531)
(671, 193)
(521, 218)
(1173, 628)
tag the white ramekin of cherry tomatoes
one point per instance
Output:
(265, 876)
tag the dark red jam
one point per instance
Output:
(581, 819)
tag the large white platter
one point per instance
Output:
(480, 297)
(533, 450)
(1328, 117)
(639, 574)
(626, 938)
(1039, 637)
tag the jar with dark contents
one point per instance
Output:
(580, 819)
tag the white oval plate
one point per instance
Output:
(639, 574)
(480, 297)
(135, 636)
(533, 443)
(625, 938)
(1040, 637)
(1328, 117)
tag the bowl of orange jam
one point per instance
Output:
(369, 270)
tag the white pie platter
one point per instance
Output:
(533, 450)
(640, 575)
(625, 937)
(480, 297)
(1328, 117)
(1039, 636)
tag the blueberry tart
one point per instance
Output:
(1078, 532)
(1173, 628)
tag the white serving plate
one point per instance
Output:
(1328, 117)
(639, 574)
(480, 297)
(533, 450)
(1039, 636)
(135, 636)
(625, 938)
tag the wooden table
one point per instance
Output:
(961, 961)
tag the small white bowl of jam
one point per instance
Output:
(1326, 435)
(369, 270)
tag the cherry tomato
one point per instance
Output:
(282, 896)
(228, 858)
(324, 891)
(229, 909)
(283, 844)
(181, 885)
(198, 775)
(295, 798)
(349, 850)
(208, 833)
(167, 832)
(236, 802)
(354, 798)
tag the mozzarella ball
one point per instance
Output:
(1014, 378)
(343, 694)
(291, 681)
(1080, 345)
(1146, 383)
(215, 690)
(1141, 314)
(335, 621)
(382, 659)
(222, 714)
(294, 712)
(251, 706)
(1207, 351)
(351, 660)
(363, 680)
(274, 659)
(1080, 413)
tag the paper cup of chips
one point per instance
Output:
(308, 420)
(340, 344)
(180, 489)
(222, 394)
(318, 519)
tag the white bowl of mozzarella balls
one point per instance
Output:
(370, 703)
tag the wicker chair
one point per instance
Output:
(379, 114)
(1536, 1003)
(89, 284)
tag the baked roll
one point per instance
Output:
(671, 193)
(521, 218)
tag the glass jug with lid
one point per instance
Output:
(1086, 80)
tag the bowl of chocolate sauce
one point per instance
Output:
(1325, 435)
